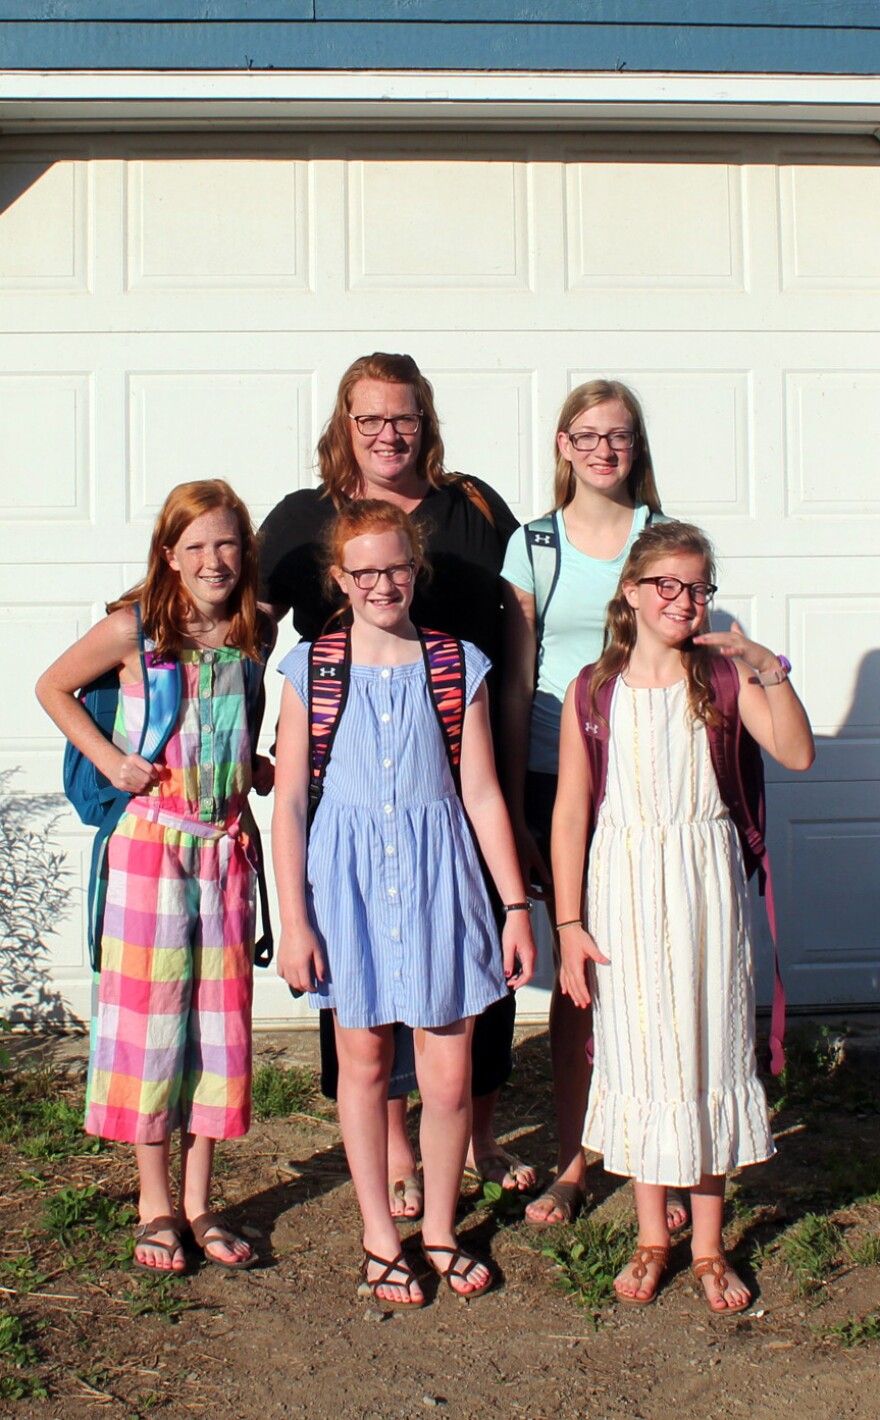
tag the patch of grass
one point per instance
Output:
(278, 1092)
(589, 1257)
(865, 1253)
(811, 1250)
(41, 1120)
(163, 1297)
(17, 1358)
(854, 1331)
(76, 1214)
(21, 1275)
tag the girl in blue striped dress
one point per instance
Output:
(384, 912)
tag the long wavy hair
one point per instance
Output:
(641, 484)
(657, 541)
(337, 465)
(165, 606)
(367, 515)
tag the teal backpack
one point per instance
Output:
(101, 806)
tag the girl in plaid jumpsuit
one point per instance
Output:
(171, 1030)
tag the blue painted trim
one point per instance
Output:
(797, 14)
(519, 47)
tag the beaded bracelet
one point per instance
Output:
(518, 907)
(572, 922)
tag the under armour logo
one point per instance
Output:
(590, 727)
(542, 539)
(328, 672)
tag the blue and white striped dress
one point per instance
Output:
(395, 890)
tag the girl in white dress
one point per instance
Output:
(666, 958)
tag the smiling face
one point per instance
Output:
(387, 604)
(675, 621)
(387, 461)
(601, 470)
(207, 559)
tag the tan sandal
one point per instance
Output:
(207, 1223)
(718, 1267)
(640, 1261)
(145, 1235)
(566, 1198)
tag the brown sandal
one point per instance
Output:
(718, 1266)
(461, 1265)
(640, 1262)
(215, 1222)
(386, 1278)
(146, 1233)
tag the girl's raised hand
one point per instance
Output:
(577, 947)
(518, 950)
(735, 643)
(300, 960)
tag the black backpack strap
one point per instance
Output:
(444, 667)
(545, 559)
(329, 677)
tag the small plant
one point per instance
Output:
(855, 1332)
(161, 1297)
(78, 1212)
(41, 1120)
(17, 1357)
(589, 1258)
(506, 1203)
(280, 1092)
(865, 1253)
(21, 1275)
(811, 1250)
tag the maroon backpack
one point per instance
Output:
(739, 769)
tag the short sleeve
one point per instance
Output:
(476, 668)
(295, 668)
(517, 567)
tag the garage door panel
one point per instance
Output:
(44, 224)
(47, 454)
(829, 219)
(833, 418)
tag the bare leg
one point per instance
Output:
(155, 1201)
(725, 1291)
(484, 1146)
(570, 1030)
(364, 1069)
(401, 1161)
(443, 1068)
(196, 1167)
(653, 1233)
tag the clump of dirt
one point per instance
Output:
(81, 1334)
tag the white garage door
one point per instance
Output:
(179, 308)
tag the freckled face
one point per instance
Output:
(207, 559)
(387, 604)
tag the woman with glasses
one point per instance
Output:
(383, 441)
(561, 572)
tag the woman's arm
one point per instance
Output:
(571, 816)
(772, 714)
(517, 695)
(299, 957)
(487, 812)
(110, 645)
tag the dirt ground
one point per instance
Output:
(292, 1337)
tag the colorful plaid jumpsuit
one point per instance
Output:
(171, 1028)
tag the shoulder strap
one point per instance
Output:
(470, 489)
(545, 557)
(444, 665)
(329, 677)
(739, 769)
(594, 727)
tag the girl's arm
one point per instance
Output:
(517, 695)
(571, 816)
(485, 807)
(299, 957)
(110, 645)
(772, 714)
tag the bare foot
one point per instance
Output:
(406, 1199)
(638, 1281)
(725, 1290)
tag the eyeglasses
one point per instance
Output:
(370, 424)
(588, 439)
(670, 588)
(366, 578)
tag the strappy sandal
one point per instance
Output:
(386, 1278)
(215, 1222)
(640, 1262)
(502, 1162)
(146, 1233)
(397, 1192)
(461, 1265)
(718, 1267)
(567, 1199)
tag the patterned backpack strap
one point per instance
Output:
(444, 665)
(329, 666)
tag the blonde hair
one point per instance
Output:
(656, 541)
(641, 484)
(165, 605)
(368, 515)
(338, 467)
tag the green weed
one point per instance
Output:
(589, 1257)
(507, 1204)
(20, 1274)
(811, 1250)
(41, 1121)
(865, 1253)
(854, 1332)
(17, 1357)
(279, 1092)
(77, 1213)
(161, 1297)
